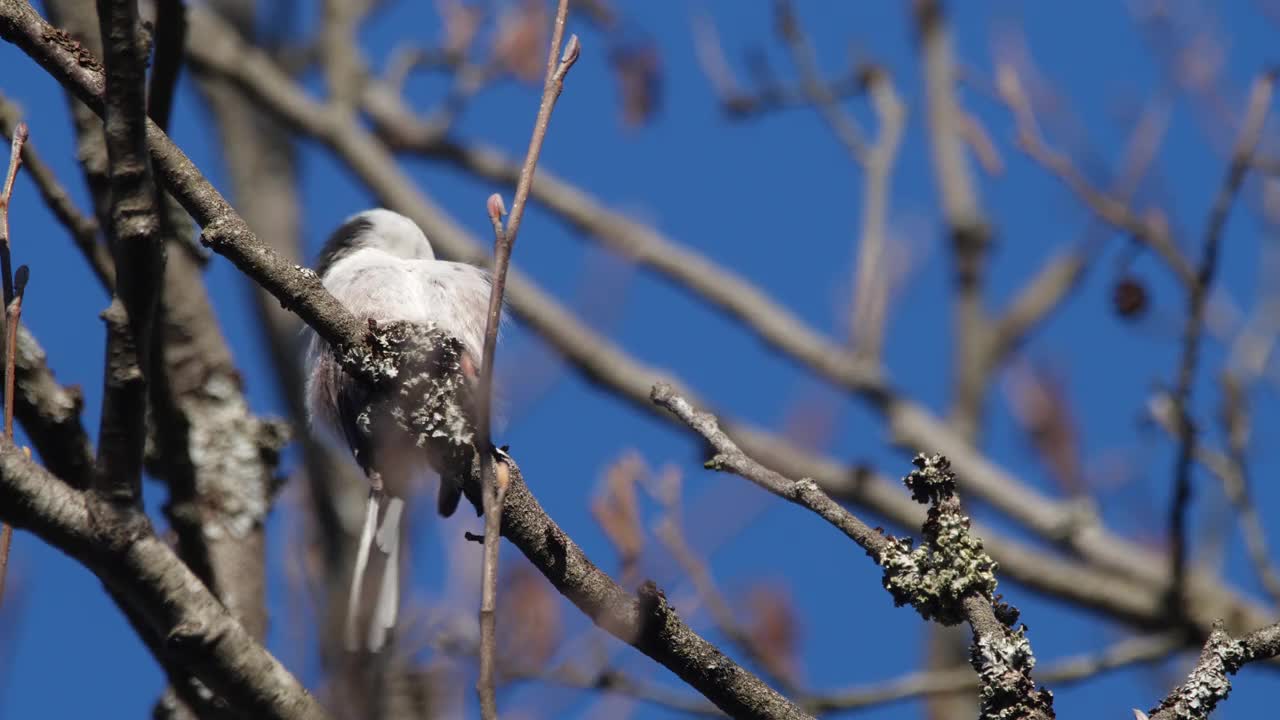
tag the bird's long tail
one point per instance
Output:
(387, 606)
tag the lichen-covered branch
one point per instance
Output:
(1209, 682)
(948, 578)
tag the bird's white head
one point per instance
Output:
(381, 230)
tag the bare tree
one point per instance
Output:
(175, 406)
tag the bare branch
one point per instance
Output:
(967, 228)
(1197, 297)
(670, 533)
(6, 195)
(340, 53)
(495, 483)
(842, 125)
(804, 493)
(770, 96)
(83, 228)
(1230, 469)
(12, 318)
(13, 311)
(1150, 228)
(50, 415)
(138, 250)
(1134, 651)
(644, 620)
(613, 681)
(872, 287)
(145, 576)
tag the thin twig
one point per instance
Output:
(670, 532)
(804, 493)
(872, 286)
(494, 493)
(1131, 651)
(495, 480)
(15, 160)
(1047, 290)
(967, 227)
(13, 308)
(815, 88)
(83, 228)
(13, 315)
(1241, 161)
(610, 680)
(1231, 469)
(1114, 208)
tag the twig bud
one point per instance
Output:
(571, 50)
(497, 208)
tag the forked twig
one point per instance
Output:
(495, 479)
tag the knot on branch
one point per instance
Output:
(1004, 661)
(1208, 684)
(950, 564)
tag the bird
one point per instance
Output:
(381, 267)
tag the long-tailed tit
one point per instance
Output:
(380, 266)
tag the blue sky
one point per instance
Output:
(776, 200)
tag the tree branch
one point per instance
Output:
(1209, 683)
(138, 249)
(947, 579)
(1197, 299)
(967, 228)
(504, 241)
(83, 228)
(644, 620)
(216, 50)
(50, 415)
(804, 493)
(1133, 651)
(145, 576)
